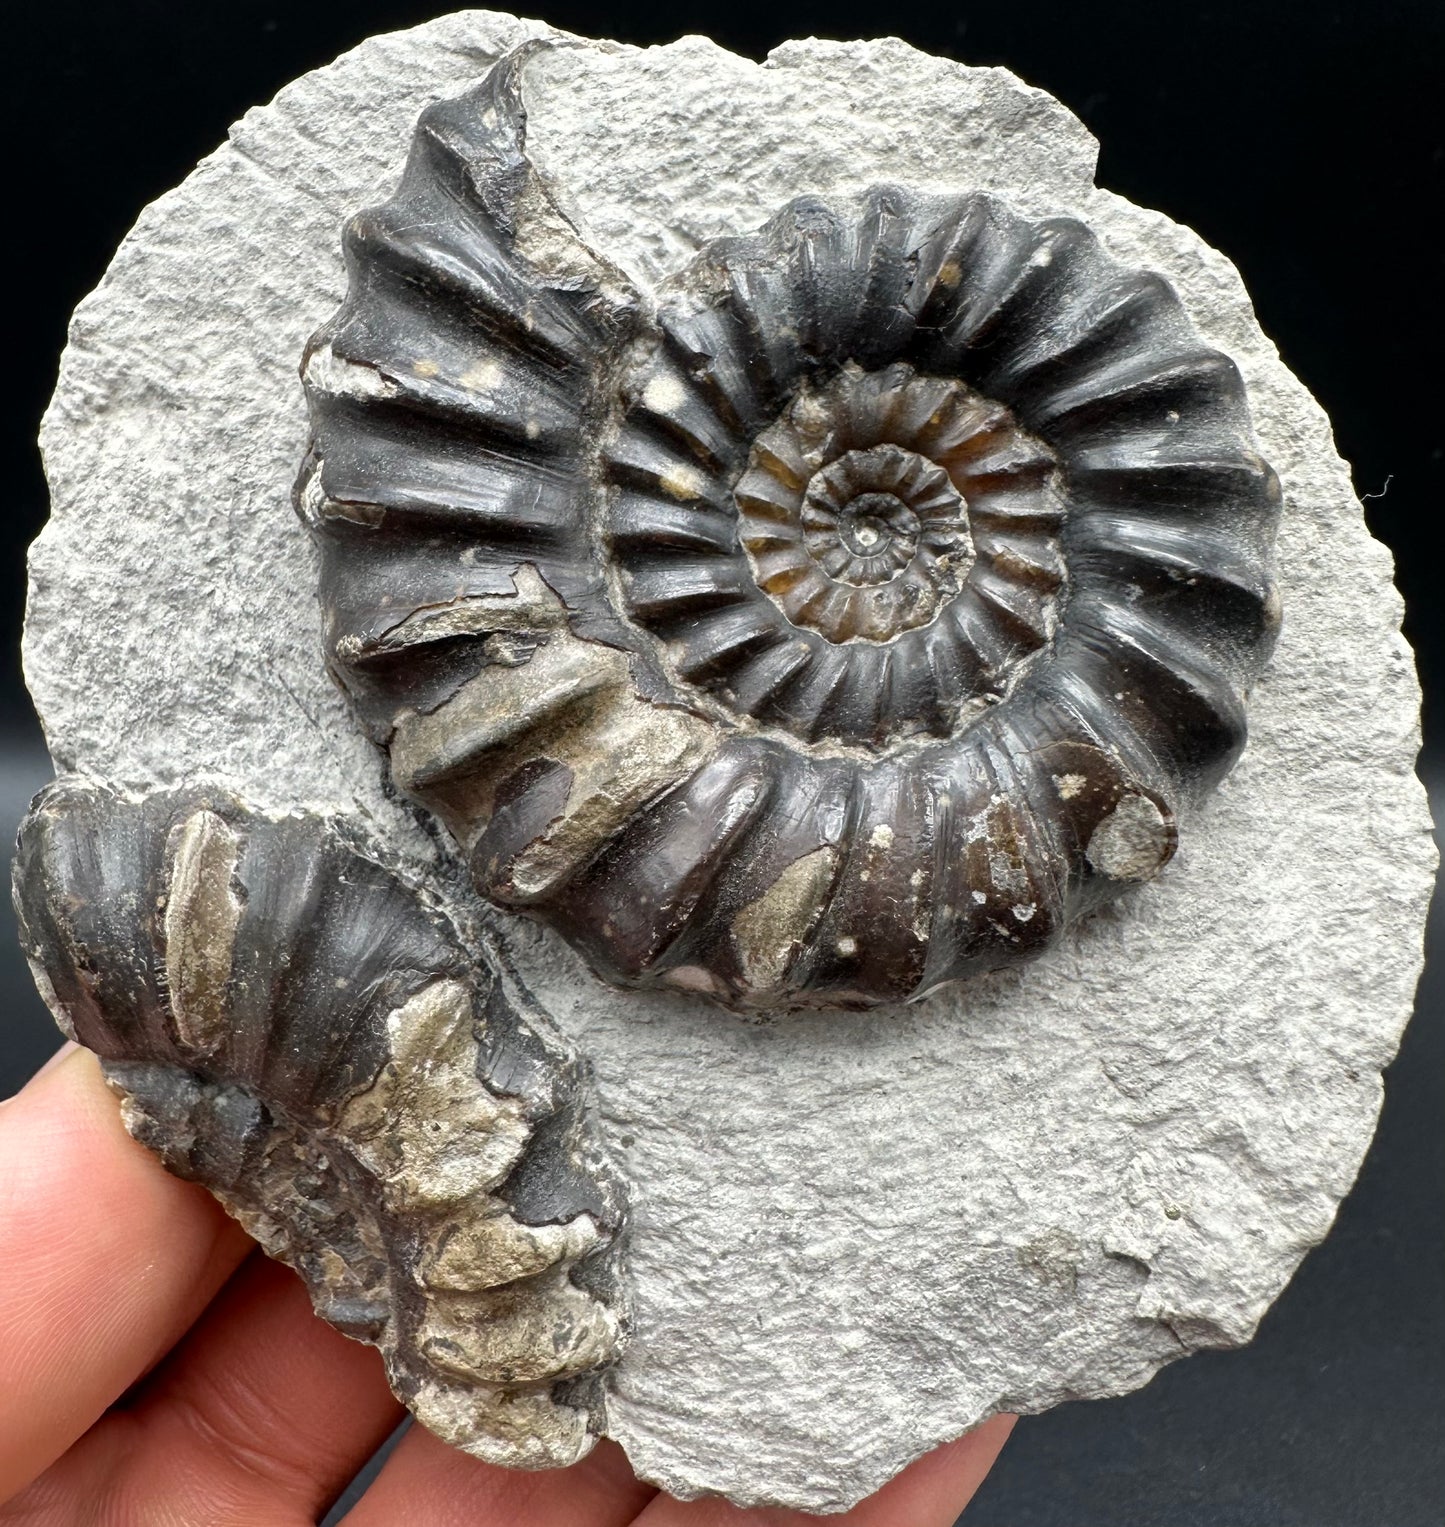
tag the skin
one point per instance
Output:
(160, 1372)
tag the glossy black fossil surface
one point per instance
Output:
(293, 1025)
(841, 624)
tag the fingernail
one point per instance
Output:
(56, 1059)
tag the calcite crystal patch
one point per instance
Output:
(794, 846)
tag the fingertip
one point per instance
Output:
(108, 1260)
(61, 1054)
(66, 1050)
(69, 1160)
(424, 1480)
(933, 1491)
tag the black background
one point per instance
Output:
(1307, 141)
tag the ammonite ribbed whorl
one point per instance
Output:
(895, 525)
(294, 1025)
(840, 620)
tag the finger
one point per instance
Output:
(107, 1260)
(68, 1048)
(263, 1413)
(929, 1493)
(426, 1481)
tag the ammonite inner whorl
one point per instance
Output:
(881, 510)
(843, 623)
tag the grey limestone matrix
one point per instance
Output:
(664, 811)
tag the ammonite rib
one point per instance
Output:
(844, 627)
(291, 1025)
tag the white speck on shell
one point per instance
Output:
(664, 394)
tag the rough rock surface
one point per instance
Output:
(853, 1237)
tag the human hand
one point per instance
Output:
(156, 1370)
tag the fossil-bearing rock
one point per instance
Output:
(850, 1235)
(296, 1028)
(846, 625)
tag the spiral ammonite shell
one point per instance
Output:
(844, 623)
(900, 532)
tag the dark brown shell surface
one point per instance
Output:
(844, 623)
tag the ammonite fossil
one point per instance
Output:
(292, 1025)
(844, 623)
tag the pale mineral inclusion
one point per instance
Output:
(853, 1237)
